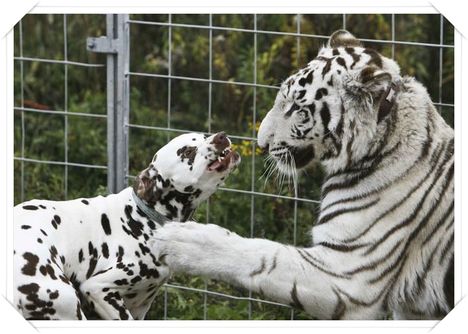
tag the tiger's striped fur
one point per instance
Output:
(384, 238)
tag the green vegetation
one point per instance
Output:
(83, 139)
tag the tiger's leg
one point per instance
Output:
(282, 273)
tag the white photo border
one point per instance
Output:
(11, 12)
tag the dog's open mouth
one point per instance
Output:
(225, 159)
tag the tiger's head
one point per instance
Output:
(328, 111)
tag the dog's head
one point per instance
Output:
(190, 166)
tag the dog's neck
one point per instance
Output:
(169, 204)
(175, 205)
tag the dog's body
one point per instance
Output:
(90, 258)
(81, 246)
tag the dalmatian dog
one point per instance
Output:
(90, 258)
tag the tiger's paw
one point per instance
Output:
(190, 247)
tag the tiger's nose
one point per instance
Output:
(221, 141)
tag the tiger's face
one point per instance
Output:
(336, 94)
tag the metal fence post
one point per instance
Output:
(116, 46)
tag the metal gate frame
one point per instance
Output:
(116, 46)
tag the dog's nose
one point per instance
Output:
(221, 141)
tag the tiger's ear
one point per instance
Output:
(343, 38)
(145, 185)
(368, 80)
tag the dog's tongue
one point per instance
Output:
(215, 165)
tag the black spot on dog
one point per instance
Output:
(144, 250)
(53, 253)
(31, 263)
(54, 295)
(57, 219)
(39, 240)
(80, 256)
(136, 227)
(187, 152)
(120, 252)
(105, 224)
(42, 206)
(105, 250)
(92, 266)
(135, 279)
(25, 227)
(121, 281)
(43, 232)
(48, 270)
(39, 309)
(30, 207)
(147, 272)
(114, 299)
(85, 201)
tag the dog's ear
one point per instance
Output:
(145, 185)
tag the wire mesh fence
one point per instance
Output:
(203, 73)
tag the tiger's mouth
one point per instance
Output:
(298, 157)
(302, 155)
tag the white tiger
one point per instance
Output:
(384, 239)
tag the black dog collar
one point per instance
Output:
(150, 212)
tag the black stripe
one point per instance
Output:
(421, 280)
(355, 56)
(412, 237)
(295, 298)
(318, 267)
(340, 307)
(448, 284)
(293, 108)
(401, 176)
(439, 224)
(324, 219)
(375, 58)
(448, 246)
(376, 263)
(359, 302)
(398, 204)
(259, 270)
(387, 270)
(345, 248)
(408, 220)
(273, 265)
(327, 67)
